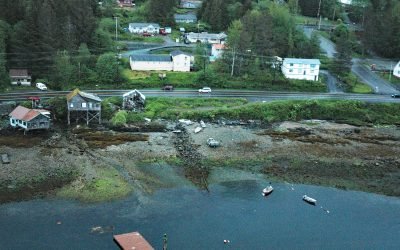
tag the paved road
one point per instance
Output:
(325, 44)
(264, 96)
(379, 85)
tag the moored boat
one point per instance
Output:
(268, 190)
(309, 200)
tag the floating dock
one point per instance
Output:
(130, 241)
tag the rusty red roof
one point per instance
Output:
(25, 114)
(131, 241)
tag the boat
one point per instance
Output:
(268, 190)
(309, 200)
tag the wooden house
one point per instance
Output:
(20, 77)
(133, 100)
(85, 106)
(30, 119)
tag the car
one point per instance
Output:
(396, 96)
(168, 88)
(41, 86)
(205, 90)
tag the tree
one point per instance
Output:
(342, 61)
(107, 69)
(233, 43)
(161, 11)
(4, 78)
(64, 73)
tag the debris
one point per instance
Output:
(213, 143)
(5, 159)
(197, 130)
(147, 119)
(185, 121)
(227, 241)
(202, 124)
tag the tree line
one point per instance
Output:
(57, 41)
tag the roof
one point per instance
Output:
(206, 35)
(151, 58)
(135, 91)
(301, 61)
(132, 241)
(141, 25)
(187, 16)
(218, 46)
(19, 72)
(25, 114)
(83, 94)
(178, 52)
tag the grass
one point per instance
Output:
(108, 185)
(353, 85)
(390, 78)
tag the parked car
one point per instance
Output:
(205, 90)
(396, 96)
(168, 88)
(41, 86)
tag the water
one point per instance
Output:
(194, 219)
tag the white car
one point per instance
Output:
(205, 90)
(41, 86)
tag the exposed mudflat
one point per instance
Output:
(315, 152)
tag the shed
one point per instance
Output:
(20, 77)
(133, 100)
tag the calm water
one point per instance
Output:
(195, 219)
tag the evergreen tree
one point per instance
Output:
(4, 78)
(107, 69)
(161, 11)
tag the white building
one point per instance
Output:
(348, 2)
(20, 77)
(216, 51)
(302, 69)
(205, 37)
(176, 61)
(396, 70)
(140, 28)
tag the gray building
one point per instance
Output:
(85, 106)
(185, 18)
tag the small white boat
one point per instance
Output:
(268, 190)
(309, 200)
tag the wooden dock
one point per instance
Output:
(131, 241)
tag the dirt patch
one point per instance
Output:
(103, 139)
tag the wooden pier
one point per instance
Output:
(131, 241)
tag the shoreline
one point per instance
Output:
(308, 152)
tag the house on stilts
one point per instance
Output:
(83, 106)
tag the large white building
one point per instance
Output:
(302, 69)
(140, 28)
(176, 61)
(396, 70)
(205, 37)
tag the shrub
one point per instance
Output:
(119, 118)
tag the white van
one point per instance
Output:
(41, 86)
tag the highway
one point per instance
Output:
(253, 96)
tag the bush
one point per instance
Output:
(119, 118)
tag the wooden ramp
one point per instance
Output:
(132, 241)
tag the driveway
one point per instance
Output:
(326, 45)
(332, 82)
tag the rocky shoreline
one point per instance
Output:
(92, 165)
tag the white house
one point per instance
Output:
(348, 2)
(205, 37)
(216, 51)
(396, 70)
(185, 18)
(140, 28)
(20, 77)
(303, 69)
(176, 61)
(30, 119)
(190, 4)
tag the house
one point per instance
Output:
(176, 61)
(125, 3)
(396, 70)
(20, 77)
(303, 69)
(190, 4)
(216, 51)
(83, 106)
(133, 100)
(30, 119)
(346, 2)
(140, 28)
(205, 37)
(186, 18)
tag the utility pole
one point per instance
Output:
(116, 28)
(390, 72)
(318, 14)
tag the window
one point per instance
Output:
(71, 105)
(300, 65)
(312, 65)
(290, 70)
(291, 65)
(83, 104)
(312, 71)
(299, 71)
